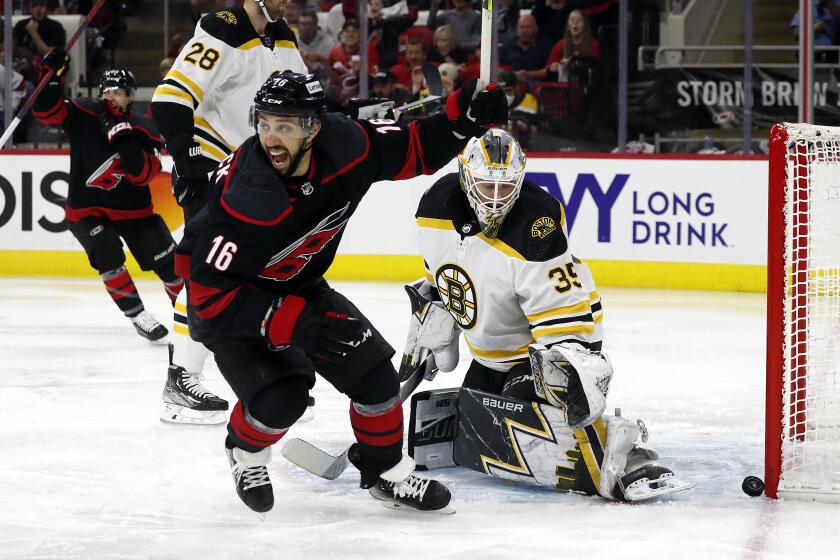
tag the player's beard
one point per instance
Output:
(285, 156)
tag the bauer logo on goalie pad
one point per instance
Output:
(502, 405)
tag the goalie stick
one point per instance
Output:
(319, 462)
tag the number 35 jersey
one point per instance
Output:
(522, 287)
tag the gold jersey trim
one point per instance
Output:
(579, 307)
(435, 223)
(496, 354)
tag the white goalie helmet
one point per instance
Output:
(491, 169)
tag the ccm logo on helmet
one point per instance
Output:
(502, 405)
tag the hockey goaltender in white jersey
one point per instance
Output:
(499, 269)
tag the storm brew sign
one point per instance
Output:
(715, 98)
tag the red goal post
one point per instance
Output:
(802, 438)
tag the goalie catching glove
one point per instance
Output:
(572, 379)
(432, 329)
(325, 335)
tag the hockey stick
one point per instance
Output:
(28, 105)
(319, 462)
(486, 60)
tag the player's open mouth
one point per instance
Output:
(278, 157)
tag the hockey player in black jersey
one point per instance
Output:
(499, 268)
(114, 153)
(257, 255)
(202, 108)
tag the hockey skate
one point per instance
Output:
(629, 471)
(186, 401)
(400, 488)
(250, 474)
(149, 328)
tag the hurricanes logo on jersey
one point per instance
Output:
(458, 294)
(542, 227)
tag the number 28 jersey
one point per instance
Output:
(520, 288)
(218, 72)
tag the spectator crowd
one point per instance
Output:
(545, 46)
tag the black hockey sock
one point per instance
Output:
(122, 290)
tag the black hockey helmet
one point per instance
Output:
(118, 78)
(288, 93)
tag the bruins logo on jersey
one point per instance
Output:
(542, 227)
(458, 294)
(226, 17)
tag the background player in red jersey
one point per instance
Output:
(276, 212)
(114, 153)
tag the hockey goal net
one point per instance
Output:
(802, 440)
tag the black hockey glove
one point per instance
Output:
(58, 61)
(325, 335)
(113, 122)
(471, 112)
(191, 170)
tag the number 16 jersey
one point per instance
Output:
(520, 288)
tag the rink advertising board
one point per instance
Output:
(654, 221)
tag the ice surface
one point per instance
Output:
(88, 471)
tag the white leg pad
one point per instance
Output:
(630, 464)
(621, 437)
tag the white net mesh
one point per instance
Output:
(811, 390)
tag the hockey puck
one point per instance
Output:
(753, 486)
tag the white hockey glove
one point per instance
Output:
(432, 329)
(573, 379)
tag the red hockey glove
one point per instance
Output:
(471, 112)
(113, 123)
(324, 335)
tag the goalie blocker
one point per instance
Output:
(536, 444)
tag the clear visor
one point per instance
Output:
(116, 89)
(287, 126)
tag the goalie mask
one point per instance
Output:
(491, 170)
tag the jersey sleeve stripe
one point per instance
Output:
(435, 223)
(210, 150)
(168, 94)
(179, 86)
(583, 328)
(205, 125)
(583, 318)
(496, 354)
(564, 310)
(207, 137)
(501, 246)
(179, 77)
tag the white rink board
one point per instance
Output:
(622, 209)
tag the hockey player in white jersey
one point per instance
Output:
(499, 269)
(201, 107)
